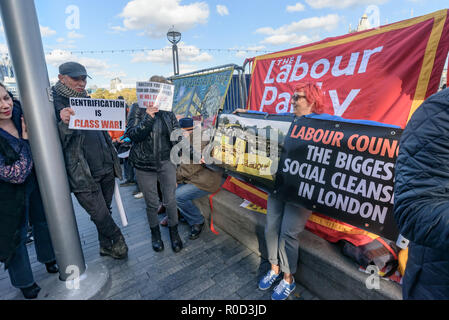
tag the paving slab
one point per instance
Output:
(212, 267)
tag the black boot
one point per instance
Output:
(176, 242)
(119, 248)
(31, 292)
(156, 240)
(52, 267)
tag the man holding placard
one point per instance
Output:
(91, 160)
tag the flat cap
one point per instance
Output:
(73, 69)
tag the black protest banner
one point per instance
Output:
(343, 170)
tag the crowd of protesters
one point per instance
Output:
(93, 161)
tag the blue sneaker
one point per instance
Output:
(266, 282)
(283, 290)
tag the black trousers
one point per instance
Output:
(98, 206)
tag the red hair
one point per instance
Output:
(313, 95)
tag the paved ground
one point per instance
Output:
(212, 267)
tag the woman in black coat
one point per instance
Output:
(150, 131)
(20, 201)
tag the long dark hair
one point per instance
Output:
(6, 151)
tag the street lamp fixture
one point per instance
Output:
(174, 37)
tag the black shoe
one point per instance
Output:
(52, 267)
(31, 292)
(195, 231)
(119, 248)
(105, 251)
(127, 183)
(176, 243)
(156, 240)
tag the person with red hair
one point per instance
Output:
(285, 220)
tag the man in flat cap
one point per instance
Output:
(91, 161)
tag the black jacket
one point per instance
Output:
(12, 204)
(421, 207)
(144, 132)
(78, 171)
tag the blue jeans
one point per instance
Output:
(129, 170)
(185, 193)
(19, 270)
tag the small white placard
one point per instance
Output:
(158, 94)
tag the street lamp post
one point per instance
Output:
(174, 37)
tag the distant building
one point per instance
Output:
(7, 76)
(363, 25)
(116, 85)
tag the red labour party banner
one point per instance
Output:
(380, 74)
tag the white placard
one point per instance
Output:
(156, 93)
(98, 114)
(124, 154)
(121, 209)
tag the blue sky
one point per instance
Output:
(214, 32)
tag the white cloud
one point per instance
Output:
(185, 68)
(117, 29)
(341, 4)
(328, 23)
(158, 16)
(94, 67)
(293, 39)
(293, 33)
(187, 53)
(47, 31)
(222, 10)
(74, 35)
(3, 49)
(248, 51)
(296, 8)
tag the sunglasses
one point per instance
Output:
(296, 97)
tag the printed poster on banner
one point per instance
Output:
(343, 170)
(201, 96)
(98, 114)
(247, 145)
(155, 93)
